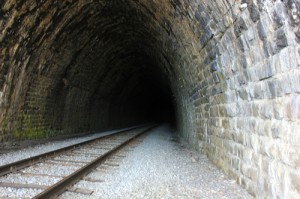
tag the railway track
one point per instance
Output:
(50, 174)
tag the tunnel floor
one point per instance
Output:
(159, 167)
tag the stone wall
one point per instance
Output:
(242, 105)
(232, 66)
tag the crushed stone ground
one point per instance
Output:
(161, 168)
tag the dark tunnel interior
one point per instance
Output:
(155, 99)
(93, 66)
(143, 89)
(150, 97)
(124, 63)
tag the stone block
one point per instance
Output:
(254, 12)
(295, 80)
(252, 174)
(232, 110)
(281, 39)
(279, 14)
(256, 56)
(242, 44)
(267, 147)
(250, 186)
(239, 27)
(266, 111)
(247, 155)
(259, 91)
(271, 89)
(292, 109)
(235, 163)
(255, 109)
(293, 157)
(214, 66)
(239, 137)
(295, 180)
(267, 128)
(243, 93)
(277, 130)
(254, 142)
(284, 60)
(267, 49)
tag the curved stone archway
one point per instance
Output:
(229, 69)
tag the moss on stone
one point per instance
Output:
(24, 129)
(33, 133)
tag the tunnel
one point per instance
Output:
(224, 73)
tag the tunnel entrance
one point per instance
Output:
(107, 67)
(226, 71)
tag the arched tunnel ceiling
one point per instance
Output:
(98, 46)
(80, 52)
(60, 33)
(71, 54)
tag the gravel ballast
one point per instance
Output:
(161, 168)
(28, 152)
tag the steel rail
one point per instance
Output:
(15, 166)
(61, 186)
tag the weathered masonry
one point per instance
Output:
(229, 70)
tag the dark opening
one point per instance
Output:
(151, 98)
(158, 101)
